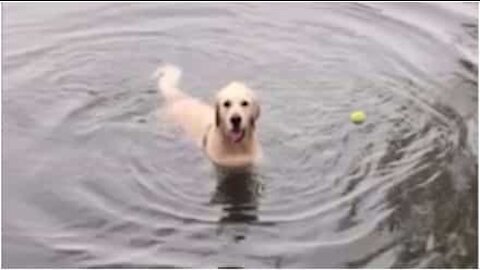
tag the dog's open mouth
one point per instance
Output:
(236, 135)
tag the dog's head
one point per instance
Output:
(236, 111)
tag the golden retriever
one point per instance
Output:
(225, 131)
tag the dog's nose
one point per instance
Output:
(235, 120)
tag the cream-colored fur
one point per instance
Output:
(212, 127)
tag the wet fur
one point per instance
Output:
(209, 125)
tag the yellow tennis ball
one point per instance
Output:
(358, 117)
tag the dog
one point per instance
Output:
(226, 130)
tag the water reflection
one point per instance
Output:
(238, 192)
(437, 219)
(434, 217)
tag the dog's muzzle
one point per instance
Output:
(236, 134)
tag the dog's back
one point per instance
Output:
(191, 114)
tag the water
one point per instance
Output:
(92, 177)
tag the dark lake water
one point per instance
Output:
(92, 177)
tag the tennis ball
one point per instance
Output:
(358, 117)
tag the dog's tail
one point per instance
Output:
(168, 77)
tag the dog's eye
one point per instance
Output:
(244, 103)
(226, 104)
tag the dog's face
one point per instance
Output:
(236, 110)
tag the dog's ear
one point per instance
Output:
(256, 110)
(255, 114)
(217, 114)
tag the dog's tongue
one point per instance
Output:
(236, 136)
